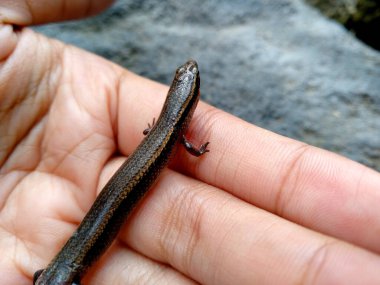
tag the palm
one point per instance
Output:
(51, 163)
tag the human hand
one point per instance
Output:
(258, 209)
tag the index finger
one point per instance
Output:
(310, 186)
(304, 184)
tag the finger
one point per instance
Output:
(24, 13)
(121, 265)
(304, 184)
(216, 238)
(307, 185)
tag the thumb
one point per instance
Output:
(33, 12)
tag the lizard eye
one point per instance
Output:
(181, 70)
(193, 69)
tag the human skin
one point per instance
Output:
(258, 209)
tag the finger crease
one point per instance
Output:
(316, 263)
(183, 226)
(292, 170)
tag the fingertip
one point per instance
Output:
(8, 40)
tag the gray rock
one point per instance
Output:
(279, 64)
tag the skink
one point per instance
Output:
(129, 184)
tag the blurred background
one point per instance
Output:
(306, 69)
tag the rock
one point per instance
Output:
(279, 64)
